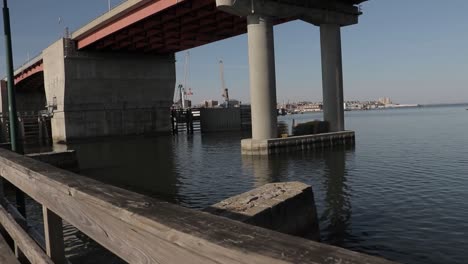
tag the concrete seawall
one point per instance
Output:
(220, 119)
(66, 160)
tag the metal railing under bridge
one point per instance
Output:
(33, 127)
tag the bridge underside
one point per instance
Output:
(185, 25)
(168, 26)
(116, 76)
(30, 93)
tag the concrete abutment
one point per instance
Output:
(98, 94)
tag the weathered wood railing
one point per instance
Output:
(140, 229)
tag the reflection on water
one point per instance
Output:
(200, 170)
(265, 169)
(326, 172)
(336, 217)
(145, 165)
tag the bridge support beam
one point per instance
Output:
(332, 76)
(107, 94)
(262, 77)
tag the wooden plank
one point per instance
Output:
(28, 247)
(53, 233)
(6, 255)
(144, 230)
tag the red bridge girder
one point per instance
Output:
(165, 26)
(29, 71)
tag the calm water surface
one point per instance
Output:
(401, 193)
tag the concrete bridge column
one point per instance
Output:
(332, 76)
(102, 94)
(262, 77)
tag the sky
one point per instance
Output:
(411, 51)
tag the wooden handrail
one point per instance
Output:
(140, 229)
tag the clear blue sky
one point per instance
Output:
(410, 51)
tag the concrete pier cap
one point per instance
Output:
(341, 12)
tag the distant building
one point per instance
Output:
(311, 108)
(210, 103)
(179, 105)
(234, 103)
(385, 101)
(349, 106)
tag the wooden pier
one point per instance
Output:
(140, 229)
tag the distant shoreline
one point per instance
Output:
(448, 104)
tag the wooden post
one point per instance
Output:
(30, 249)
(21, 128)
(2, 188)
(19, 254)
(40, 125)
(6, 256)
(47, 134)
(21, 207)
(53, 233)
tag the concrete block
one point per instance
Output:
(287, 207)
(66, 160)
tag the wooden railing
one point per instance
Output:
(140, 229)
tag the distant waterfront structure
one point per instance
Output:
(385, 101)
(305, 106)
(209, 103)
(234, 103)
(215, 103)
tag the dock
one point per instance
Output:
(185, 120)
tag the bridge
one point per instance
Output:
(116, 75)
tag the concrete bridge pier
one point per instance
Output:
(262, 77)
(329, 16)
(103, 94)
(332, 76)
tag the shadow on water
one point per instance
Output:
(144, 165)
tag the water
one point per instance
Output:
(401, 193)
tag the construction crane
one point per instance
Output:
(223, 84)
(187, 90)
(183, 92)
